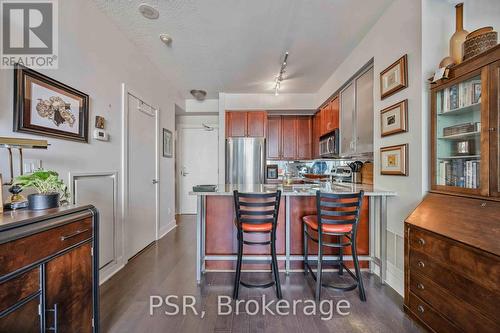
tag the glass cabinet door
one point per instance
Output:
(458, 135)
(494, 129)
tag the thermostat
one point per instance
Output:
(101, 135)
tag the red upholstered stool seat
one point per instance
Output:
(312, 222)
(262, 227)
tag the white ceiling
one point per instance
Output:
(236, 46)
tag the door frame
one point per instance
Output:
(126, 90)
(180, 155)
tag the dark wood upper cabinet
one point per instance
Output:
(495, 125)
(236, 124)
(316, 133)
(289, 137)
(329, 117)
(256, 124)
(334, 110)
(273, 139)
(304, 137)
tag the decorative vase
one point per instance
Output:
(43, 201)
(458, 38)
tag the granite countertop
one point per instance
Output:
(298, 189)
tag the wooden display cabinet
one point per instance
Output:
(464, 128)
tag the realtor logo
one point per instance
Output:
(29, 33)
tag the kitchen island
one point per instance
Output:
(216, 230)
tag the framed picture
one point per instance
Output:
(394, 78)
(168, 143)
(394, 160)
(394, 119)
(47, 107)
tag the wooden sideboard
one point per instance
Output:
(49, 270)
(452, 264)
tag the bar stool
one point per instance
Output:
(338, 216)
(257, 213)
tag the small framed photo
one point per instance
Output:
(394, 160)
(394, 78)
(44, 106)
(394, 119)
(168, 144)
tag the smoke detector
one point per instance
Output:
(199, 95)
(149, 11)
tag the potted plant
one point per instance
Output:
(51, 190)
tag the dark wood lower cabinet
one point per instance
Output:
(221, 238)
(69, 290)
(24, 319)
(49, 271)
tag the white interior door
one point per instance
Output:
(142, 170)
(198, 148)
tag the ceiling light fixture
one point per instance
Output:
(149, 11)
(279, 77)
(199, 95)
(166, 39)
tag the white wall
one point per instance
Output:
(270, 102)
(96, 58)
(194, 106)
(396, 33)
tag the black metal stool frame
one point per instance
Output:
(257, 217)
(349, 217)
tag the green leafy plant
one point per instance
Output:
(44, 182)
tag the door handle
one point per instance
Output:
(54, 326)
(184, 173)
(155, 181)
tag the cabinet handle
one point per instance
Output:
(54, 326)
(421, 264)
(421, 309)
(76, 233)
(421, 241)
(420, 286)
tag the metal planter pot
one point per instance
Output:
(43, 201)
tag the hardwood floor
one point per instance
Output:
(168, 268)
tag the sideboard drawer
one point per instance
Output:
(475, 265)
(453, 308)
(25, 251)
(22, 286)
(429, 316)
(485, 300)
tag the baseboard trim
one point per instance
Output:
(395, 278)
(109, 272)
(165, 230)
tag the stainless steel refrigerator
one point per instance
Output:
(245, 160)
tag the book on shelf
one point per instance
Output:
(459, 96)
(459, 173)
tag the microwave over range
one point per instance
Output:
(329, 144)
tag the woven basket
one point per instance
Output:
(479, 41)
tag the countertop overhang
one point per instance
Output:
(298, 189)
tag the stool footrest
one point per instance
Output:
(264, 285)
(256, 243)
(338, 287)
